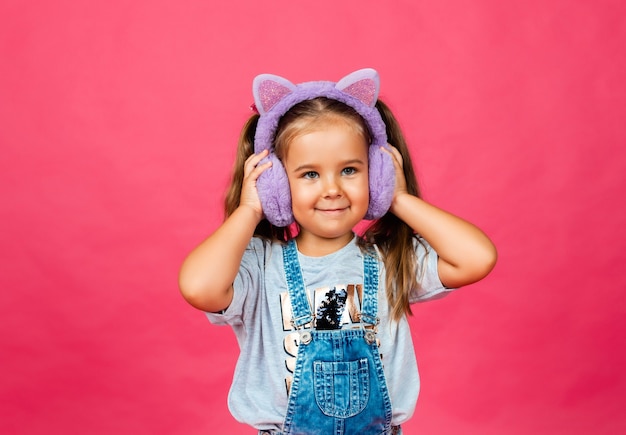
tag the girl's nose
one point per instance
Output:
(332, 187)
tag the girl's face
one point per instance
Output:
(327, 170)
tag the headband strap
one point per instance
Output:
(274, 96)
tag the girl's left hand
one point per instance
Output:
(398, 165)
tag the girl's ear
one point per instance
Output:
(363, 85)
(269, 89)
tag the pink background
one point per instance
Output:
(118, 123)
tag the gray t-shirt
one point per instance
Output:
(260, 315)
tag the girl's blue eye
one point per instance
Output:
(349, 171)
(310, 174)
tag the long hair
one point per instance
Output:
(394, 238)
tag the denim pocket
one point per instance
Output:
(342, 388)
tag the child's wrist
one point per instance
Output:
(251, 212)
(399, 200)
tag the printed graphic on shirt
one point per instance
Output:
(334, 307)
(330, 310)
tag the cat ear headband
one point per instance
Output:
(274, 96)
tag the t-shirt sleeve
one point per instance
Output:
(248, 278)
(430, 286)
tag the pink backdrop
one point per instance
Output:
(118, 122)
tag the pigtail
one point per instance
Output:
(394, 238)
(245, 148)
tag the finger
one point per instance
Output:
(253, 172)
(259, 169)
(395, 154)
(253, 161)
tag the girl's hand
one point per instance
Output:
(252, 171)
(398, 166)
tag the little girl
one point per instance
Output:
(320, 313)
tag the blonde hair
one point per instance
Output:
(392, 236)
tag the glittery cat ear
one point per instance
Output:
(363, 85)
(268, 90)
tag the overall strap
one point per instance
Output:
(369, 310)
(295, 283)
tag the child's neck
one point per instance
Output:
(315, 246)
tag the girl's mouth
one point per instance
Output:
(332, 210)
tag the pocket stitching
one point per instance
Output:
(358, 387)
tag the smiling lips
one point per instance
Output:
(332, 210)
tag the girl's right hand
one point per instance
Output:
(252, 171)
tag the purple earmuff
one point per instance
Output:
(274, 96)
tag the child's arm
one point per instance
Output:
(207, 274)
(466, 254)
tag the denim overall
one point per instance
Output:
(338, 384)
